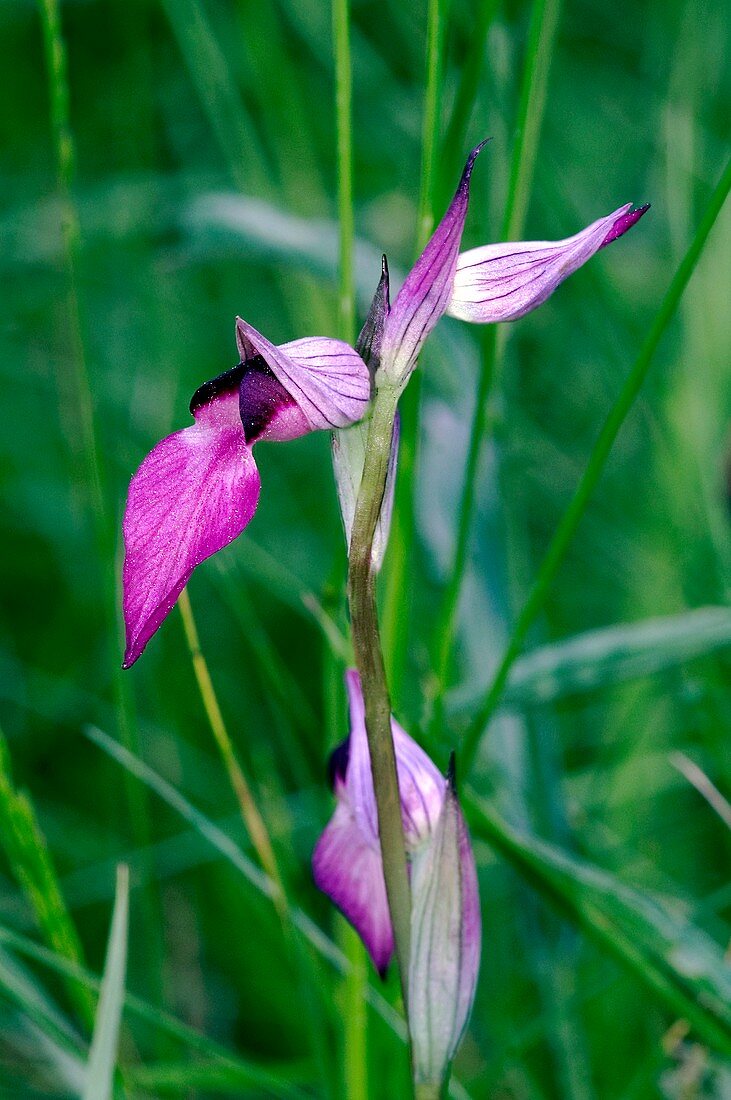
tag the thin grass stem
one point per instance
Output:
(597, 460)
(250, 813)
(343, 123)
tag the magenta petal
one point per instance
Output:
(347, 867)
(427, 290)
(193, 494)
(328, 379)
(502, 282)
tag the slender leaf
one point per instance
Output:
(103, 1052)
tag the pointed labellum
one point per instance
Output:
(193, 494)
(446, 934)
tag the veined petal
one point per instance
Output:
(421, 785)
(347, 867)
(427, 289)
(327, 379)
(502, 282)
(446, 933)
(193, 494)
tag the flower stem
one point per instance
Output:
(610, 429)
(369, 659)
(428, 1092)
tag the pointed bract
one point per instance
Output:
(502, 282)
(446, 932)
(193, 494)
(327, 379)
(349, 444)
(426, 291)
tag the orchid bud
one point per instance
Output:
(445, 943)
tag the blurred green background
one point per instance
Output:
(205, 186)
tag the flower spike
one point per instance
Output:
(199, 488)
(502, 282)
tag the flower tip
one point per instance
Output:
(624, 222)
(472, 158)
(384, 266)
(452, 774)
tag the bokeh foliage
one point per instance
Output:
(205, 187)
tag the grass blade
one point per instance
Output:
(31, 863)
(103, 1052)
(612, 655)
(683, 965)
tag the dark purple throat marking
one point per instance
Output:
(261, 395)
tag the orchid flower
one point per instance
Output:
(496, 282)
(199, 488)
(347, 858)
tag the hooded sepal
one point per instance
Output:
(370, 338)
(445, 942)
(193, 494)
(326, 378)
(502, 282)
(426, 291)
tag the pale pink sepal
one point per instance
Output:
(194, 493)
(327, 379)
(426, 292)
(502, 282)
(446, 935)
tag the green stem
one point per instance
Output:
(428, 1092)
(343, 114)
(534, 85)
(369, 659)
(597, 460)
(432, 111)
